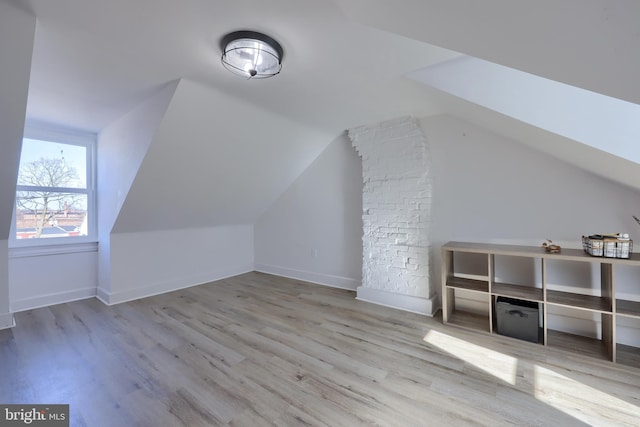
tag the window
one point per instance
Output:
(55, 197)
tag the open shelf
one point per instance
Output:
(468, 320)
(628, 343)
(628, 308)
(468, 284)
(517, 291)
(628, 355)
(578, 344)
(587, 302)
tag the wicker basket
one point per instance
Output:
(607, 246)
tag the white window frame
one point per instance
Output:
(48, 133)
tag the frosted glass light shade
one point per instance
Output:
(251, 55)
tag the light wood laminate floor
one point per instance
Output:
(263, 350)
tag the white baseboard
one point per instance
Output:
(52, 299)
(112, 298)
(309, 276)
(388, 299)
(103, 295)
(413, 304)
(7, 321)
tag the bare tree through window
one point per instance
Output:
(51, 196)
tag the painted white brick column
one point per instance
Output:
(396, 205)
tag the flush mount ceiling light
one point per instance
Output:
(251, 54)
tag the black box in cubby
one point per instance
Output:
(518, 318)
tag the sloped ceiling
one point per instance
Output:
(215, 160)
(122, 147)
(607, 128)
(237, 144)
(16, 41)
(591, 44)
(597, 162)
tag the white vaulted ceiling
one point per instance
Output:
(96, 59)
(591, 44)
(347, 63)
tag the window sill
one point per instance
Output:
(56, 249)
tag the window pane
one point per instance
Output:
(51, 164)
(49, 214)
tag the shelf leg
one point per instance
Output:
(491, 277)
(447, 293)
(608, 335)
(543, 266)
(608, 320)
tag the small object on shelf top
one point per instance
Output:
(551, 248)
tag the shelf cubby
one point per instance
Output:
(585, 302)
(578, 344)
(474, 285)
(470, 320)
(627, 341)
(528, 293)
(628, 355)
(628, 308)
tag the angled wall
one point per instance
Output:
(122, 147)
(313, 231)
(215, 160)
(121, 150)
(17, 30)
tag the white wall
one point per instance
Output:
(313, 231)
(6, 316)
(40, 277)
(153, 262)
(490, 189)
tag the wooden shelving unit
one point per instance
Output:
(604, 305)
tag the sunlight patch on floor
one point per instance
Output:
(494, 363)
(561, 392)
(574, 398)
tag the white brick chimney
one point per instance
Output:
(396, 204)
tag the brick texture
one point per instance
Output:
(396, 204)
